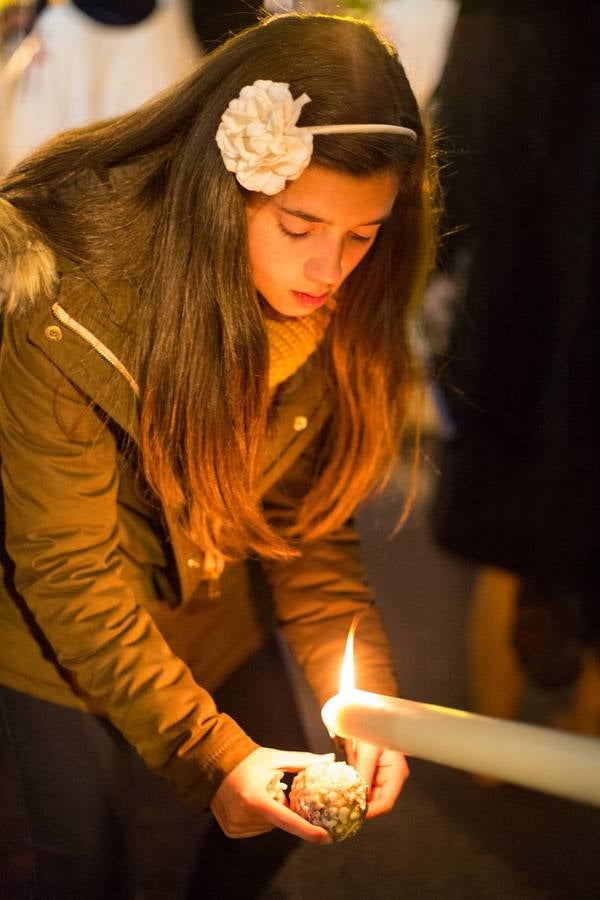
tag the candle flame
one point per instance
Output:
(347, 682)
(347, 678)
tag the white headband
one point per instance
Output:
(261, 143)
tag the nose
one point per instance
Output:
(325, 265)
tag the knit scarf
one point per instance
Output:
(291, 341)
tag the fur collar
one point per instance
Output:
(28, 267)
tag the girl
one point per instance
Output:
(205, 361)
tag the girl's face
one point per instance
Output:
(307, 239)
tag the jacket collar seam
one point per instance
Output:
(73, 325)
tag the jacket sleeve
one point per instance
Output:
(60, 481)
(317, 594)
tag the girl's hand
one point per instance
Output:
(249, 801)
(385, 771)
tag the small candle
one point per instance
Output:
(531, 756)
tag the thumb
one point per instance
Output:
(295, 761)
(365, 761)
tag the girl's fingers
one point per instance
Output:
(390, 776)
(290, 761)
(281, 816)
(366, 758)
(251, 799)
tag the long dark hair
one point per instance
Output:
(174, 224)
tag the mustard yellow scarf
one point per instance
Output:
(291, 341)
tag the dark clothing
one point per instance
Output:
(519, 105)
(78, 802)
(111, 12)
(67, 783)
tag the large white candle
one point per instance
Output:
(534, 757)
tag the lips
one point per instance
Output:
(312, 300)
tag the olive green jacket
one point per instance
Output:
(105, 604)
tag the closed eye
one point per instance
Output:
(296, 235)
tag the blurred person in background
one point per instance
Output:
(519, 491)
(87, 60)
(16, 21)
(421, 31)
(202, 300)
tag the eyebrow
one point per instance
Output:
(308, 217)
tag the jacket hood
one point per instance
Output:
(28, 266)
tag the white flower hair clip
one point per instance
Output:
(261, 143)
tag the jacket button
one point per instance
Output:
(194, 563)
(300, 423)
(53, 333)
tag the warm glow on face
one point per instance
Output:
(305, 241)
